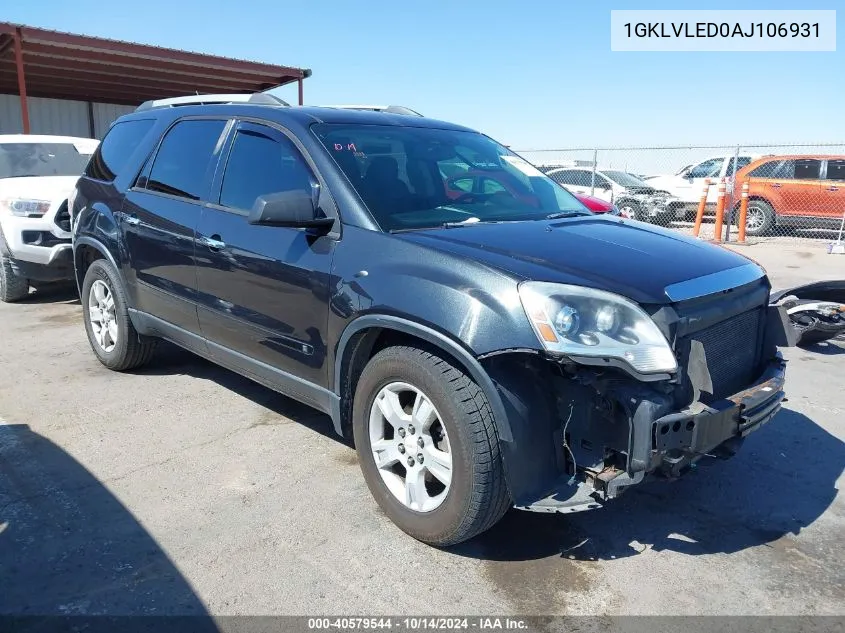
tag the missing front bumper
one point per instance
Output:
(668, 445)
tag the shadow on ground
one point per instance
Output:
(69, 548)
(782, 480)
(53, 293)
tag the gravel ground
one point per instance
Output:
(184, 488)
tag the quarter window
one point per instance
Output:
(113, 153)
(182, 161)
(835, 170)
(259, 165)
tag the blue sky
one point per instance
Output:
(530, 73)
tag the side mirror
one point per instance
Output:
(296, 209)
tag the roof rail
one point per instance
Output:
(390, 109)
(259, 98)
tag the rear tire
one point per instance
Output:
(760, 218)
(476, 495)
(113, 338)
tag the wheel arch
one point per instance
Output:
(86, 250)
(368, 334)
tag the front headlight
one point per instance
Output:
(580, 321)
(25, 208)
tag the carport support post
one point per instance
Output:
(593, 178)
(299, 82)
(730, 201)
(16, 36)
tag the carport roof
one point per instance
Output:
(69, 66)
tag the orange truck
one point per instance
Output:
(804, 191)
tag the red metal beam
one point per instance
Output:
(158, 64)
(87, 71)
(21, 80)
(101, 45)
(35, 74)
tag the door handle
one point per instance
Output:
(132, 220)
(833, 188)
(213, 242)
(776, 185)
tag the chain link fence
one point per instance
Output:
(795, 192)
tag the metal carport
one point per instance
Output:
(37, 63)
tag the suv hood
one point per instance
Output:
(51, 188)
(629, 258)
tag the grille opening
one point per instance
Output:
(63, 217)
(732, 351)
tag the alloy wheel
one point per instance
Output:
(410, 446)
(101, 315)
(754, 219)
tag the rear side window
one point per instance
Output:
(182, 160)
(259, 165)
(808, 169)
(112, 154)
(835, 170)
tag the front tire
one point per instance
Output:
(111, 334)
(410, 403)
(631, 210)
(13, 287)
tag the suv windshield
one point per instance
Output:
(416, 177)
(625, 179)
(18, 160)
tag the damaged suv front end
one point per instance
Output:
(644, 391)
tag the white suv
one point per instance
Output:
(688, 183)
(37, 173)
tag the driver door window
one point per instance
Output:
(259, 165)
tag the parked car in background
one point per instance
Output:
(633, 197)
(491, 183)
(597, 205)
(806, 191)
(688, 183)
(37, 173)
(483, 352)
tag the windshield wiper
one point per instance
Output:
(564, 214)
(467, 222)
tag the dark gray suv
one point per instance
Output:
(485, 350)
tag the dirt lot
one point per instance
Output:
(184, 488)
